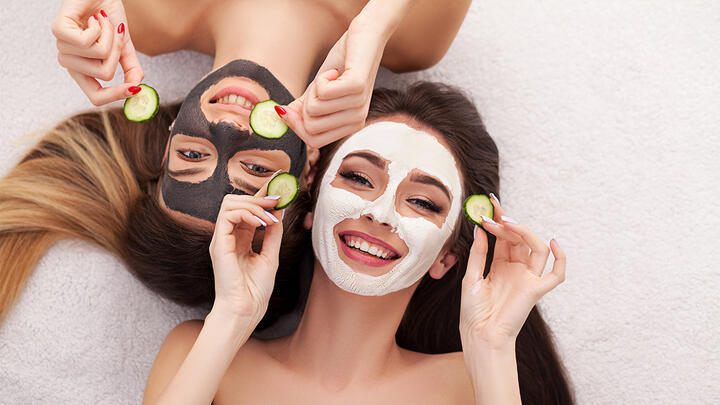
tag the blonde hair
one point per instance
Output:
(77, 182)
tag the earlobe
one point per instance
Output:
(308, 176)
(444, 262)
(308, 221)
(167, 147)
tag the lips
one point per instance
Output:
(366, 249)
(235, 96)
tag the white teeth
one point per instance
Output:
(367, 248)
(232, 99)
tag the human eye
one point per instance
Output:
(191, 155)
(356, 178)
(425, 204)
(256, 169)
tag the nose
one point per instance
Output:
(370, 218)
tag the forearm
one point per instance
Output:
(383, 16)
(493, 372)
(198, 378)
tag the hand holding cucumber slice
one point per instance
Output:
(143, 105)
(286, 186)
(476, 206)
(265, 122)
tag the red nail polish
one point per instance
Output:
(134, 89)
(102, 12)
(96, 17)
(280, 111)
(121, 28)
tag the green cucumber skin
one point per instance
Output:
(467, 214)
(260, 133)
(157, 106)
(297, 188)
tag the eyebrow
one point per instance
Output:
(425, 179)
(372, 158)
(242, 184)
(184, 172)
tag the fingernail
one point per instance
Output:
(280, 111)
(495, 198)
(508, 219)
(102, 12)
(121, 28)
(474, 231)
(134, 89)
(555, 238)
(477, 286)
(96, 17)
(272, 217)
(283, 214)
(488, 220)
(272, 197)
(261, 221)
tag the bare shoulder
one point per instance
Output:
(173, 351)
(447, 374)
(164, 26)
(425, 35)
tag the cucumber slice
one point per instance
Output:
(265, 121)
(286, 186)
(142, 106)
(476, 206)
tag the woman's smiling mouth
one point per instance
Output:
(366, 249)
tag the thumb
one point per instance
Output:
(292, 115)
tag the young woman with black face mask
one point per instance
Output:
(151, 197)
(408, 301)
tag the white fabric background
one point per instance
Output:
(606, 114)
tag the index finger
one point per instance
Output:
(262, 192)
(477, 257)
(70, 31)
(133, 73)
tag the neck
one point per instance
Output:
(344, 337)
(291, 51)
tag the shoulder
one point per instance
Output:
(448, 376)
(415, 47)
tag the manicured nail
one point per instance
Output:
(474, 231)
(96, 17)
(121, 28)
(272, 197)
(508, 219)
(272, 217)
(280, 111)
(102, 12)
(134, 89)
(495, 198)
(488, 220)
(283, 215)
(477, 286)
(261, 221)
(555, 238)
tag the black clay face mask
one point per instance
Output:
(202, 200)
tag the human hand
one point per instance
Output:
(336, 103)
(92, 38)
(493, 310)
(244, 279)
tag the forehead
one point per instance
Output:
(404, 146)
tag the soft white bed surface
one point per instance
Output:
(607, 116)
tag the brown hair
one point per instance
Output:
(94, 177)
(431, 320)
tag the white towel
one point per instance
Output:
(607, 117)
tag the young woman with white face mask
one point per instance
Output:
(408, 302)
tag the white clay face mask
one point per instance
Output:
(405, 149)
